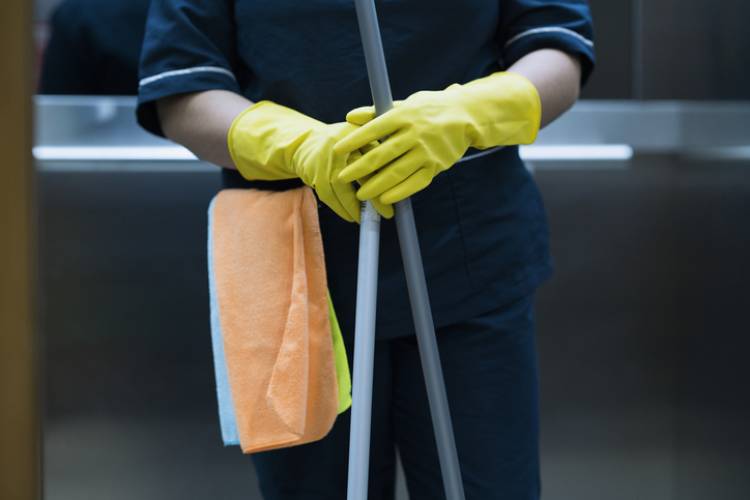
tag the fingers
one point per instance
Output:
(376, 158)
(414, 184)
(390, 176)
(363, 150)
(347, 200)
(326, 194)
(346, 205)
(377, 129)
(339, 192)
(385, 210)
(360, 116)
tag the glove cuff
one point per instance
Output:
(263, 139)
(506, 110)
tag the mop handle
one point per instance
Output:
(364, 353)
(367, 282)
(414, 271)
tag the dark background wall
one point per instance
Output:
(671, 49)
(642, 336)
(658, 49)
(697, 49)
(614, 28)
(642, 331)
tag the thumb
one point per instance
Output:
(360, 116)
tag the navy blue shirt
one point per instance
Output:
(481, 224)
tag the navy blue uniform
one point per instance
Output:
(484, 244)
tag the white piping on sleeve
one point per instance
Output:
(186, 71)
(550, 29)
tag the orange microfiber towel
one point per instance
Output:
(269, 277)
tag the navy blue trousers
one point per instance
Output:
(490, 371)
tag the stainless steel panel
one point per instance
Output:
(641, 332)
(667, 127)
(101, 133)
(90, 121)
(659, 49)
(614, 26)
(642, 336)
(130, 404)
(696, 49)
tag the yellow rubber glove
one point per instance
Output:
(268, 141)
(343, 376)
(430, 131)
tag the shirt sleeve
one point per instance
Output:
(529, 25)
(189, 46)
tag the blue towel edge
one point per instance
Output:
(227, 415)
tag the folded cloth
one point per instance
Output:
(281, 369)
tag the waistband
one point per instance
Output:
(233, 179)
(473, 154)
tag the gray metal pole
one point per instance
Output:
(367, 286)
(367, 279)
(420, 304)
(428, 351)
(364, 352)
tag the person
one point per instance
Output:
(94, 48)
(273, 93)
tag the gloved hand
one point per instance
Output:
(268, 141)
(430, 131)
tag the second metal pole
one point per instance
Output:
(428, 351)
(420, 304)
(364, 353)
